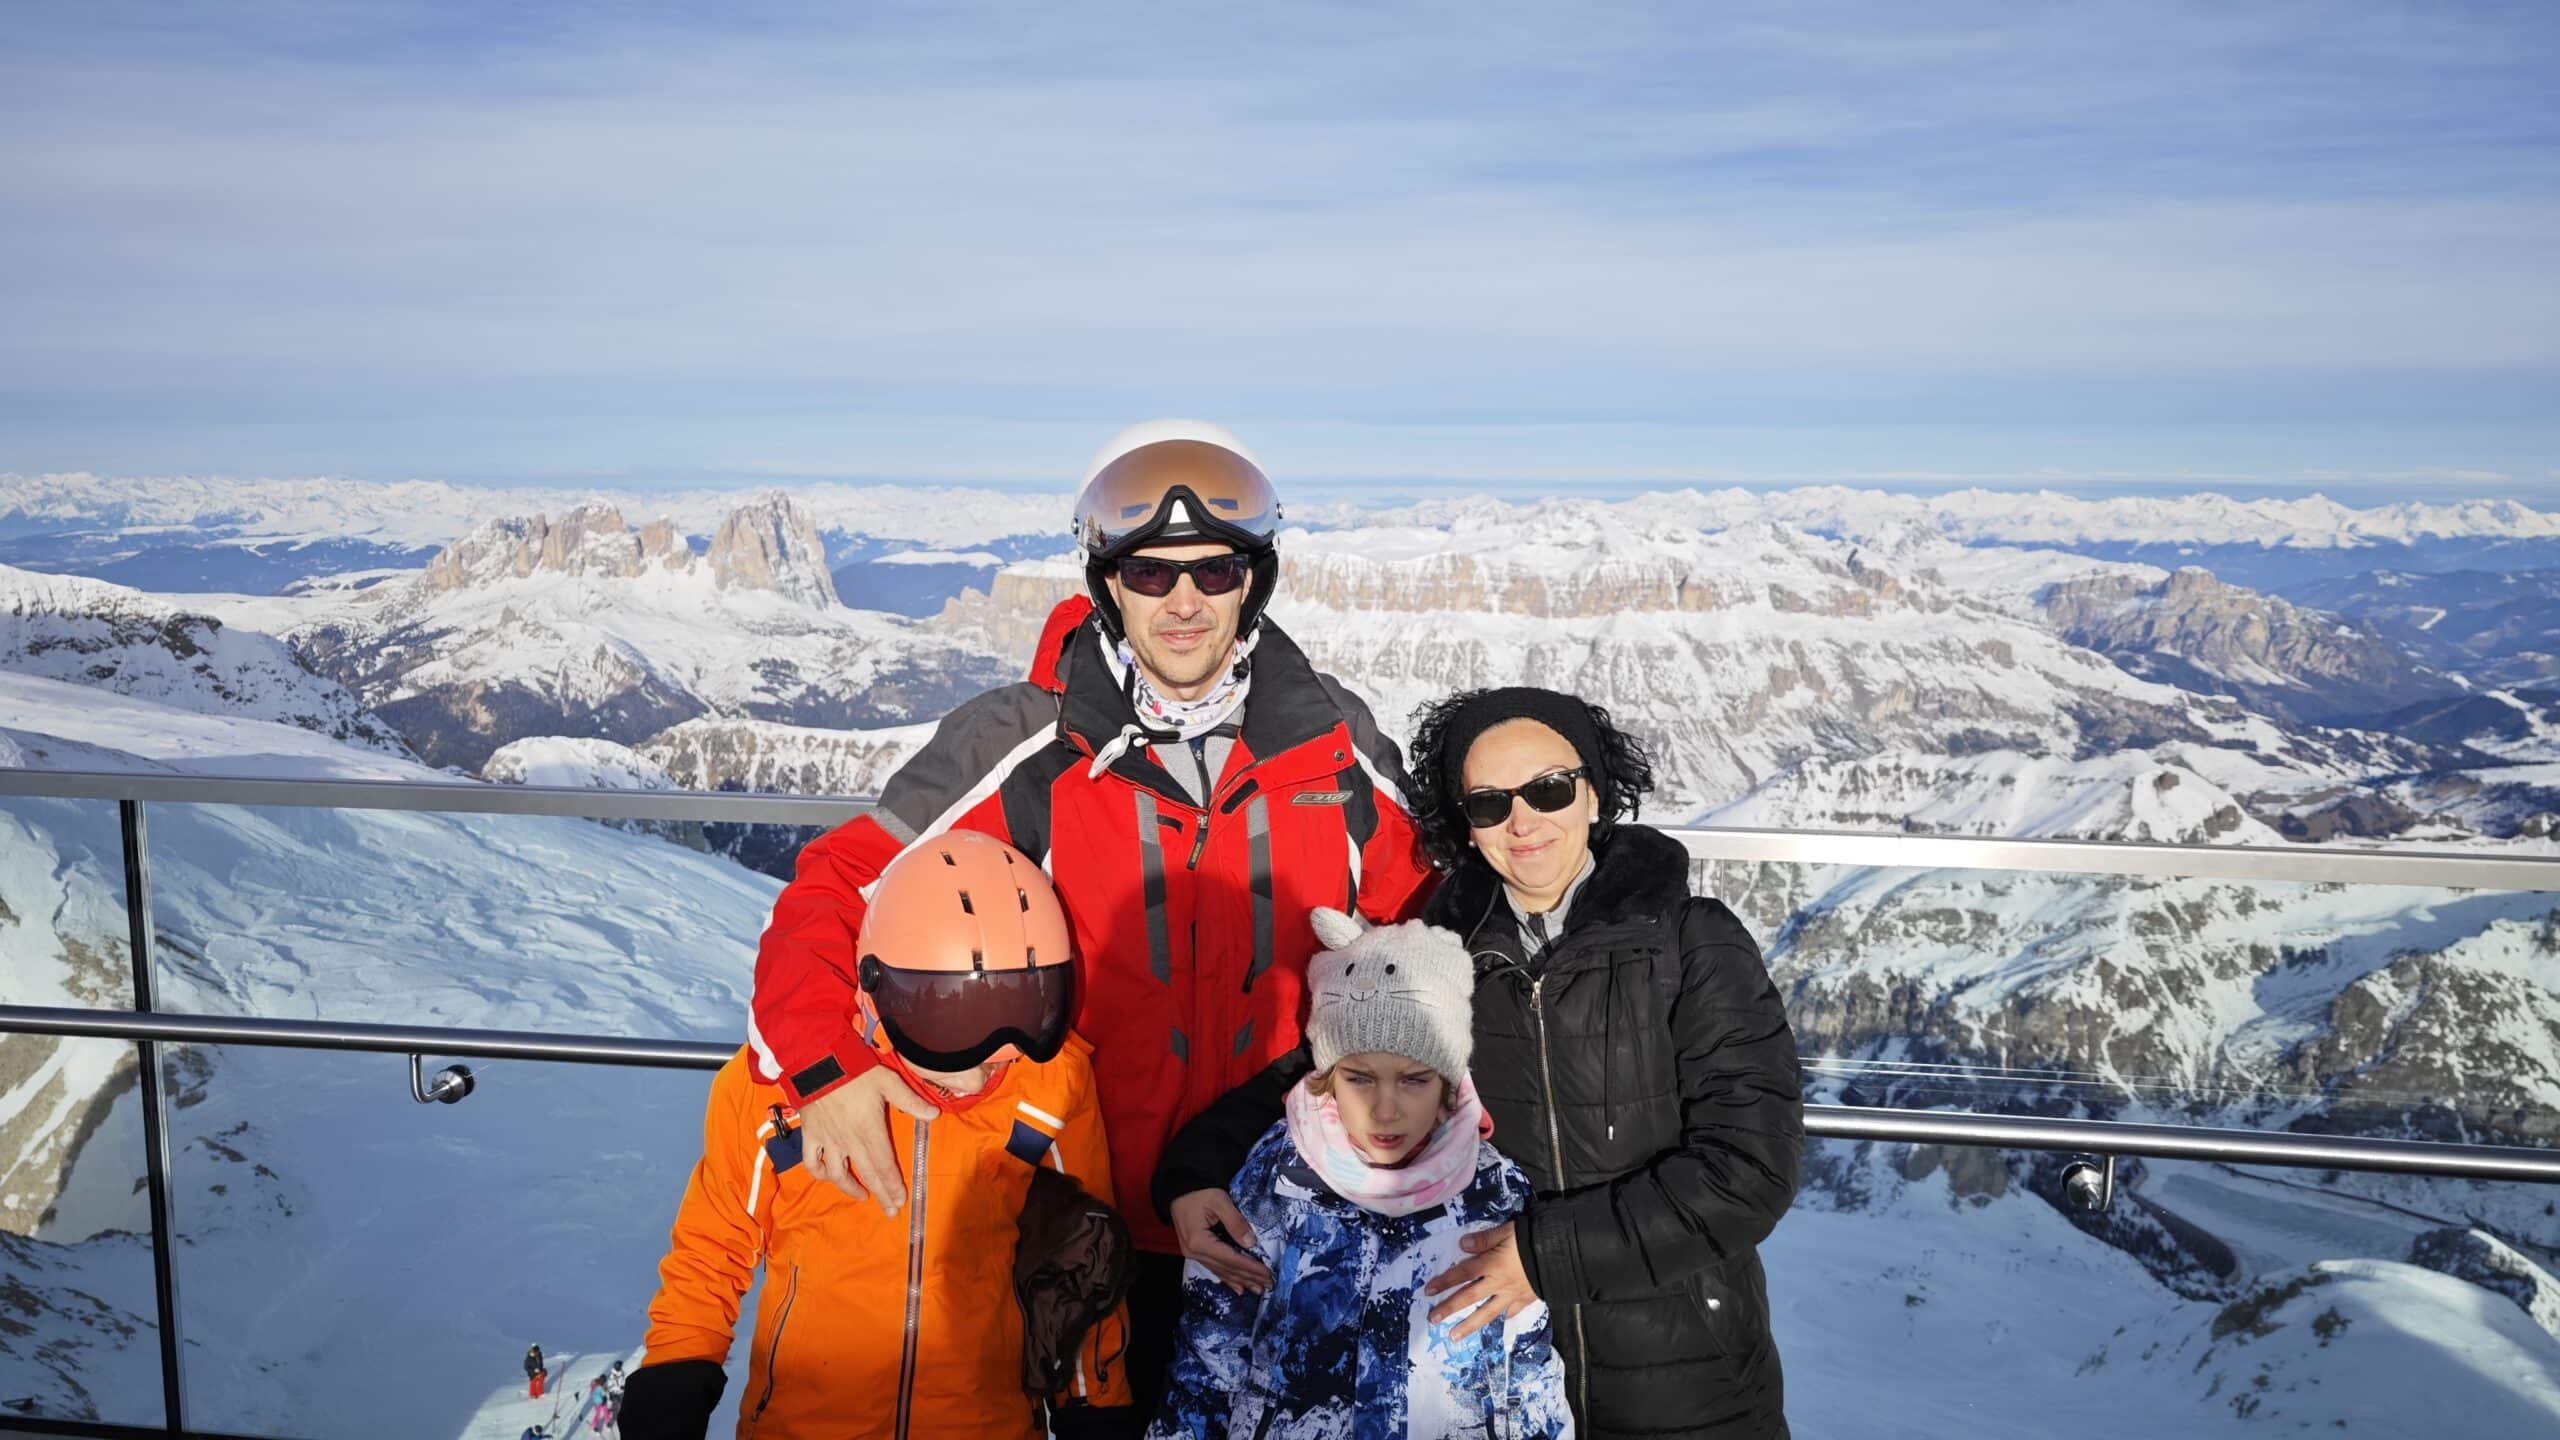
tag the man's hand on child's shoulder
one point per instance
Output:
(845, 1136)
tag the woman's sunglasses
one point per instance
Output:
(1547, 794)
(1215, 576)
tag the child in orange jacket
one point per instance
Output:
(995, 1295)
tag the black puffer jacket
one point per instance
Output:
(1644, 1076)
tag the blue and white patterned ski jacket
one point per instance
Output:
(1343, 1348)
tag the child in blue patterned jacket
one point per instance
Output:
(1355, 1200)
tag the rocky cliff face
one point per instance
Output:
(767, 758)
(2200, 634)
(586, 628)
(772, 544)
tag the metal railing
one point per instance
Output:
(150, 1029)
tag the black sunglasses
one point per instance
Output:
(1215, 575)
(1547, 794)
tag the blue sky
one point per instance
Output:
(1528, 248)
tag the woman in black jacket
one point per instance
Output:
(1634, 1057)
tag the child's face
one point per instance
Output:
(1389, 1103)
(962, 1082)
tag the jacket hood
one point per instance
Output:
(1640, 871)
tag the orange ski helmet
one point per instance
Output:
(966, 956)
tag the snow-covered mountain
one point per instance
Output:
(2047, 519)
(2278, 658)
(425, 513)
(771, 758)
(1744, 654)
(583, 626)
(129, 643)
(2502, 627)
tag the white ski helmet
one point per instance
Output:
(1176, 480)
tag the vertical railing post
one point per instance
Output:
(155, 1128)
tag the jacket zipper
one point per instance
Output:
(773, 1352)
(1555, 1143)
(915, 1281)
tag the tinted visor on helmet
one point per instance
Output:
(1175, 491)
(954, 1020)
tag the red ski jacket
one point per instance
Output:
(1190, 921)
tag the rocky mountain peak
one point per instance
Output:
(768, 543)
(771, 543)
(591, 539)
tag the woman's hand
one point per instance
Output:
(1195, 1215)
(1492, 1274)
(845, 1135)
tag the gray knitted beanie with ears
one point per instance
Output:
(1405, 989)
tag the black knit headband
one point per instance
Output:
(1563, 714)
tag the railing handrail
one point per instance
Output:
(456, 796)
(2456, 870)
(1838, 1122)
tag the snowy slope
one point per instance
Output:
(559, 760)
(1925, 1308)
(132, 644)
(54, 725)
(310, 1185)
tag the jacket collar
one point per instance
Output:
(1640, 871)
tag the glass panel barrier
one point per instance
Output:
(354, 1263)
(79, 1326)
(2389, 1010)
(509, 922)
(1922, 1291)
(1918, 1292)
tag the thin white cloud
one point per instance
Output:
(1317, 209)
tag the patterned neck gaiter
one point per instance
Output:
(1168, 718)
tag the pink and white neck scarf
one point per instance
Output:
(1436, 1175)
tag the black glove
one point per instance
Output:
(673, 1401)
(1077, 1420)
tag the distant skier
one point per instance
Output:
(536, 1374)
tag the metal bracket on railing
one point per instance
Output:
(450, 1085)
(2090, 1181)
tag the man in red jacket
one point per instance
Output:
(1194, 787)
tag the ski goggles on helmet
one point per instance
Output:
(1152, 575)
(1547, 794)
(955, 1020)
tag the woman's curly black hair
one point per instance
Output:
(1441, 832)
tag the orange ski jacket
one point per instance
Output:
(1190, 920)
(902, 1329)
